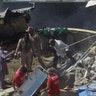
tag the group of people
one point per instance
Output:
(30, 46)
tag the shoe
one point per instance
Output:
(67, 88)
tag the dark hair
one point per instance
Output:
(23, 69)
(51, 70)
(51, 41)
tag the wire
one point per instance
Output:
(81, 58)
(81, 40)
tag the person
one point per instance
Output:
(36, 44)
(3, 65)
(25, 46)
(59, 49)
(19, 77)
(53, 83)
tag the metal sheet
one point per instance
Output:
(33, 83)
(91, 3)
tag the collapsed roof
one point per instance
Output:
(13, 23)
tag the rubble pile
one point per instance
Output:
(84, 72)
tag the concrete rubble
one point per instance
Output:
(83, 73)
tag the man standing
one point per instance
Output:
(53, 83)
(36, 45)
(60, 49)
(25, 46)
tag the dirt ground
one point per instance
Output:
(12, 67)
(15, 63)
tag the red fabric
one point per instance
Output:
(49, 94)
(18, 78)
(53, 83)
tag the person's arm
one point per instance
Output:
(40, 43)
(43, 90)
(32, 46)
(47, 87)
(13, 84)
(14, 88)
(18, 46)
(4, 56)
(64, 46)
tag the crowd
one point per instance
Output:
(30, 46)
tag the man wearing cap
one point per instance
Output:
(61, 49)
(25, 46)
(36, 45)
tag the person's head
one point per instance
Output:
(23, 70)
(26, 37)
(51, 70)
(52, 42)
(30, 30)
(4, 45)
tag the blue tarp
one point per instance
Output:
(87, 90)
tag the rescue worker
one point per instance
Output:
(60, 49)
(25, 46)
(36, 44)
(53, 83)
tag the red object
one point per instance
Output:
(18, 78)
(53, 83)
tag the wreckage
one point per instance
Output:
(81, 73)
(13, 23)
(78, 74)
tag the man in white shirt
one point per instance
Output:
(60, 49)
